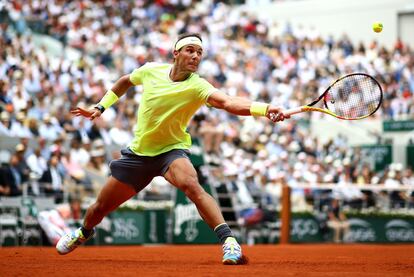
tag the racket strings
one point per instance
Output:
(354, 96)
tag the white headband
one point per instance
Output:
(186, 41)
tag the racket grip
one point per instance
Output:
(293, 111)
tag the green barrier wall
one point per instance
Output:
(410, 156)
(305, 228)
(156, 226)
(379, 155)
(150, 226)
(188, 227)
(128, 227)
(377, 229)
(133, 227)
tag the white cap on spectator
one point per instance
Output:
(328, 159)
(302, 156)
(97, 153)
(54, 148)
(4, 116)
(258, 165)
(98, 143)
(297, 174)
(298, 166)
(273, 158)
(375, 180)
(20, 116)
(267, 163)
(247, 162)
(328, 178)
(46, 117)
(249, 173)
(263, 138)
(19, 147)
(239, 152)
(337, 163)
(228, 152)
(398, 167)
(282, 139)
(237, 160)
(231, 170)
(4, 156)
(245, 138)
(294, 146)
(18, 74)
(262, 154)
(347, 161)
(315, 168)
(284, 155)
(273, 174)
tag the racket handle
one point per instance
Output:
(293, 111)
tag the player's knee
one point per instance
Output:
(192, 188)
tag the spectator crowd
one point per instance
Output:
(244, 56)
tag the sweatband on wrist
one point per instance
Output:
(109, 99)
(258, 109)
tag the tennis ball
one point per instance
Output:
(377, 27)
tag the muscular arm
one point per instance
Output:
(241, 106)
(122, 85)
(119, 88)
(234, 105)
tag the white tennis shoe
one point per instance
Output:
(232, 253)
(71, 241)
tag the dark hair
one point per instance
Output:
(185, 35)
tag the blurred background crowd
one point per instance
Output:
(284, 65)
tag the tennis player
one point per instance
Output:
(172, 95)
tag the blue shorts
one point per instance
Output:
(138, 171)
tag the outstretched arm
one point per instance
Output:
(244, 106)
(110, 97)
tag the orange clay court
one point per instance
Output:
(204, 260)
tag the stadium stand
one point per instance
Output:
(46, 152)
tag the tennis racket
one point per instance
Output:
(351, 97)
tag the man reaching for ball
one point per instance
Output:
(172, 95)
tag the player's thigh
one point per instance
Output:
(113, 194)
(181, 174)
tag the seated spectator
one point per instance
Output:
(78, 174)
(55, 222)
(50, 129)
(5, 124)
(20, 153)
(52, 179)
(398, 198)
(37, 163)
(4, 183)
(337, 221)
(97, 169)
(352, 196)
(33, 126)
(212, 134)
(19, 128)
(78, 153)
(119, 134)
(249, 212)
(158, 189)
(11, 179)
(6, 104)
